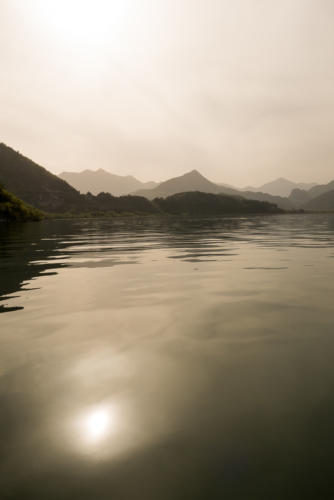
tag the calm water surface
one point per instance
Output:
(167, 359)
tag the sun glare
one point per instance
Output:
(97, 424)
(86, 22)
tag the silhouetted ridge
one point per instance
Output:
(34, 184)
(195, 181)
(190, 181)
(324, 201)
(194, 173)
(197, 204)
(317, 198)
(280, 187)
(40, 188)
(97, 181)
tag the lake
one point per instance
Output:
(166, 359)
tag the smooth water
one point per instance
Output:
(167, 359)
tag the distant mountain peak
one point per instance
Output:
(101, 180)
(190, 181)
(194, 173)
(280, 187)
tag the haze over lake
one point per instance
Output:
(167, 358)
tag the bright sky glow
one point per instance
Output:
(241, 90)
(84, 22)
(96, 425)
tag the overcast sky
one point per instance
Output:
(242, 90)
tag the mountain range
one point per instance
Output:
(195, 181)
(305, 198)
(277, 191)
(97, 181)
(281, 187)
(315, 197)
(33, 184)
(191, 181)
(43, 190)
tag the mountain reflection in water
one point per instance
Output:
(149, 358)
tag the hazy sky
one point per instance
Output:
(242, 90)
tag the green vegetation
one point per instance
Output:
(14, 209)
